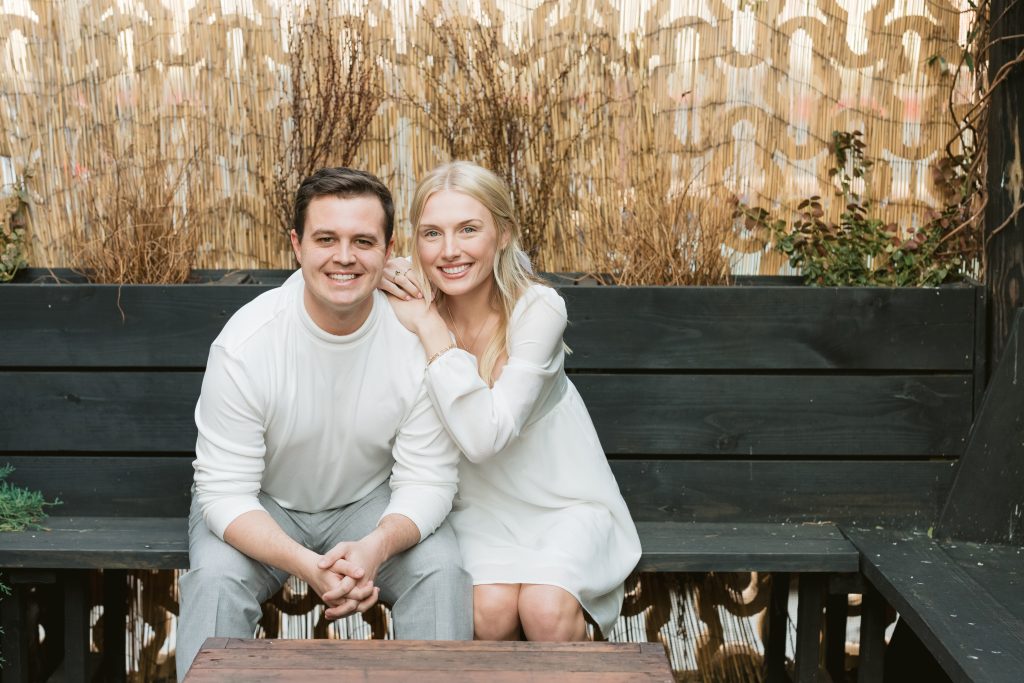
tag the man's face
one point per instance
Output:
(342, 255)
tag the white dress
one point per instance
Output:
(537, 501)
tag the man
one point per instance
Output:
(319, 454)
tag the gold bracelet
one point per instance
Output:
(440, 353)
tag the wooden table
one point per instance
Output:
(306, 661)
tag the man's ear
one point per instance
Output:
(294, 236)
(388, 249)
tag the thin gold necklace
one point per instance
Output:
(458, 334)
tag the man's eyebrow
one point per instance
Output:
(334, 233)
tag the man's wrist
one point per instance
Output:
(378, 544)
(305, 565)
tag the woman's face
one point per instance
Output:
(457, 242)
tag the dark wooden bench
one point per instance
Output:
(744, 425)
(960, 584)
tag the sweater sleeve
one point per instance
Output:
(230, 448)
(425, 474)
(483, 420)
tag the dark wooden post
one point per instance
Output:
(1005, 250)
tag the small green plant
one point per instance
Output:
(864, 250)
(13, 219)
(20, 508)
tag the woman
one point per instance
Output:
(541, 524)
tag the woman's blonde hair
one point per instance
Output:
(511, 266)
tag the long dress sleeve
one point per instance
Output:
(482, 420)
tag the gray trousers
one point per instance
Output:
(430, 594)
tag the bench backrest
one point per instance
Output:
(765, 403)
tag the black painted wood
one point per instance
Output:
(162, 543)
(882, 492)
(999, 568)
(907, 493)
(745, 415)
(150, 412)
(771, 415)
(778, 328)
(702, 547)
(963, 624)
(808, 627)
(836, 613)
(777, 631)
(986, 502)
(1004, 219)
(149, 326)
(76, 626)
(981, 367)
(688, 328)
(134, 485)
(99, 543)
(115, 624)
(871, 664)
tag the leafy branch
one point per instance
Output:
(859, 249)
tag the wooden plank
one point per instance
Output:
(416, 659)
(330, 647)
(745, 415)
(779, 328)
(160, 543)
(867, 491)
(76, 625)
(99, 543)
(132, 485)
(106, 411)
(741, 547)
(776, 630)
(871, 664)
(908, 492)
(1004, 250)
(779, 415)
(971, 635)
(998, 568)
(694, 328)
(343, 673)
(811, 602)
(981, 367)
(986, 503)
(109, 326)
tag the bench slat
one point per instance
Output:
(876, 492)
(999, 568)
(162, 543)
(779, 328)
(775, 415)
(703, 547)
(99, 543)
(697, 415)
(967, 630)
(904, 492)
(693, 328)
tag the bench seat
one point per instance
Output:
(162, 543)
(965, 601)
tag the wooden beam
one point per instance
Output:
(1005, 236)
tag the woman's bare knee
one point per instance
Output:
(551, 613)
(496, 612)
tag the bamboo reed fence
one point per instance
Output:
(615, 121)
